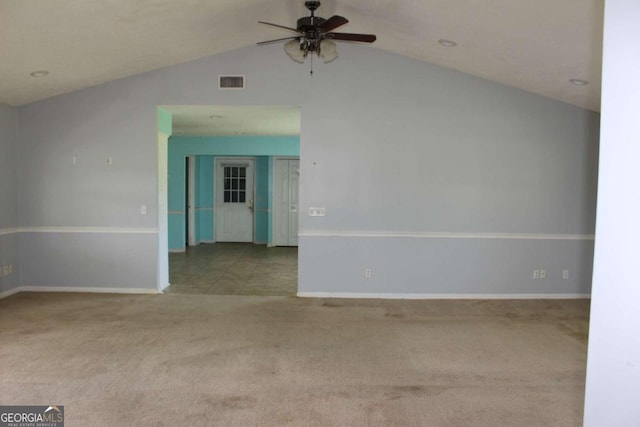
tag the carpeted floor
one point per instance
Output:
(207, 360)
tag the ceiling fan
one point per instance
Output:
(315, 35)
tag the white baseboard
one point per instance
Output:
(439, 296)
(303, 294)
(80, 290)
(177, 251)
(9, 292)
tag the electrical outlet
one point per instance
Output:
(143, 209)
(543, 274)
(367, 273)
(536, 274)
(5, 270)
(317, 211)
(565, 274)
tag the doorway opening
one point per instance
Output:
(232, 200)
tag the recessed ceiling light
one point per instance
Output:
(39, 73)
(579, 82)
(447, 43)
(215, 117)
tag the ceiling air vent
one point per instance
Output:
(231, 82)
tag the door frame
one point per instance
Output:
(215, 192)
(272, 207)
(191, 201)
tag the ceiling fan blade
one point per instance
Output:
(278, 26)
(365, 38)
(279, 40)
(332, 23)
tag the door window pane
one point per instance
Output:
(235, 184)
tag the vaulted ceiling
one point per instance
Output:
(537, 46)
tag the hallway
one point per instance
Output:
(234, 269)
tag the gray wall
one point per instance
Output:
(390, 146)
(8, 198)
(408, 148)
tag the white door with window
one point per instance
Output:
(285, 202)
(234, 199)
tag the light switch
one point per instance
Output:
(143, 209)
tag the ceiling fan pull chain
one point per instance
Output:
(311, 72)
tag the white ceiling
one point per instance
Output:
(211, 120)
(535, 45)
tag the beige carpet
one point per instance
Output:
(168, 360)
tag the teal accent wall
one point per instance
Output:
(204, 198)
(261, 206)
(206, 149)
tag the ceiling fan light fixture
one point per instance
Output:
(292, 48)
(315, 35)
(328, 51)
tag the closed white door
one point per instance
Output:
(285, 202)
(234, 200)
